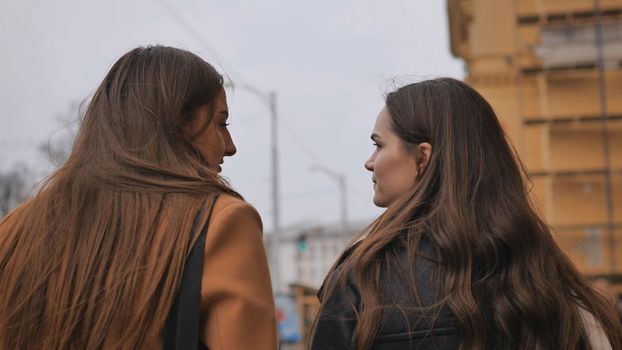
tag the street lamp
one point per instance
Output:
(340, 178)
(269, 99)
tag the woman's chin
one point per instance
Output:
(379, 202)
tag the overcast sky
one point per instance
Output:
(329, 62)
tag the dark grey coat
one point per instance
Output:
(404, 325)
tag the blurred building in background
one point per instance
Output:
(300, 257)
(552, 69)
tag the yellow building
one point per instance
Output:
(552, 69)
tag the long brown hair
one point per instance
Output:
(81, 264)
(471, 202)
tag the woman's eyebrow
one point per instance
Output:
(375, 136)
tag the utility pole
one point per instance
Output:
(269, 99)
(340, 178)
(276, 214)
(344, 201)
(276, 217)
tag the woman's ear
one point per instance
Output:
(425, 151)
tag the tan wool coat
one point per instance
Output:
(237, 304)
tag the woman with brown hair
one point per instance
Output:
(460, 258)
(136, 241)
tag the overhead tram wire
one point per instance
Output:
(183, 23)
(313, 157)
(196, 35)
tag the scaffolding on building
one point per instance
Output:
(553, 71)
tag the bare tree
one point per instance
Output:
(15, 187)
(58, 147)
(17, 184)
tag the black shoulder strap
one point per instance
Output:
(181, 331)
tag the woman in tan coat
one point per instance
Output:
(95, 258)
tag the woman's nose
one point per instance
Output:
(369, 164)
(230, 148)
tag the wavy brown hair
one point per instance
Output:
(94, 258)
(471, 202)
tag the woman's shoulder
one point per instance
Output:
(227, 203)
(411, 287)
(401, 272)
(395, 271)
(233, 209)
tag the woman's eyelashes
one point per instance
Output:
(223, 118)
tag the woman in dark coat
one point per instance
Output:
(459, 258)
